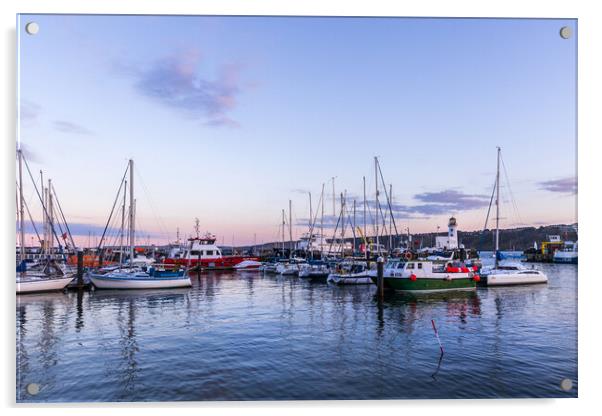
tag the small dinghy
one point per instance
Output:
(248, 265)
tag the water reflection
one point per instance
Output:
(248, 336)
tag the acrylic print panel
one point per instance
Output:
(295, 208)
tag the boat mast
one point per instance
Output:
(342, 225)
(50, 217)
(131, 219)
(354, 226)
(21, 222)
(497, 208)
(365, 235)
(322, 223)
(391, 218)
(290, 227)
(283, 225)
(122, 226)
(334, 198)
(377, 205)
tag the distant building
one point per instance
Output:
(449, 242)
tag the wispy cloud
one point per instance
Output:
(446, 202)
(82, 229)
(176, 82)
(451, 200)
(71, 128)
(564, 185)
(29, 111)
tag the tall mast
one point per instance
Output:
(354, 226)
(122, 225)
(497, 207)
(21, 222)
(377, 205)
(322, 222)
(283, 225)
(342, 224)
(50, 217)
(311, 214)
(334, 198)
(365, 235)
(132, 218)
(391, 217)
(290, 226)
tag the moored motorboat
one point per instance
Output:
(248, 265)
(204, 253)
(315, 271)
(568, 254)
(350, 273)
(428, 276)
(290, 267)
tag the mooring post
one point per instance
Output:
(367, 257)
(80, 268)
(380, 281)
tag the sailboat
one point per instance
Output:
(131, 276)
(47, 275)
(507, 273)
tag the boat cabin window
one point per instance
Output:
(420, 265)
(194, 252)
(400, 265)
(210, 252)
(410, 266)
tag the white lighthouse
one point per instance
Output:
(449, 242)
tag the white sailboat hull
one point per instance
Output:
(43, 285)
(507, 279)
(104, 282)
(350, 279)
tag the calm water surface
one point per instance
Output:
(244, 336)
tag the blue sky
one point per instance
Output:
(227, 118)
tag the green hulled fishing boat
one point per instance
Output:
(428, 276)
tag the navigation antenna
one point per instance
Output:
(197, 227)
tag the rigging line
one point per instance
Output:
(32, 222)
(56, 198)
(151, 203)
(388, 199)
(510, 190)
(43, 206)
(334, 234)
(490, 203)
(312, 223)
(113, 208)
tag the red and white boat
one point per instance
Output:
(203, 249)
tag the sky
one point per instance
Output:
(229, 118)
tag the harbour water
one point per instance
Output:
(245, 336)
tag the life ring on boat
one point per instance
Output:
(408, 255)
(413, 277)
(476, 278)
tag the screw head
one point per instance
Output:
(33, 388)
(566, 384)
(565, 32)
(32, 28)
